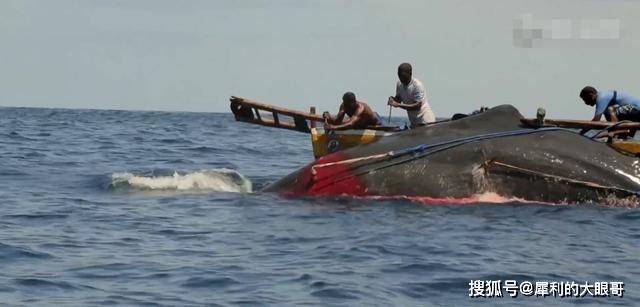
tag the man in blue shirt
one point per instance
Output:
(614, 105)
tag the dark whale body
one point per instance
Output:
(485, 153)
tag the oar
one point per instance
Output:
(389, 121)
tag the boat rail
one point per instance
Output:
(259, 113)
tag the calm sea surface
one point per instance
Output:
(151, 208)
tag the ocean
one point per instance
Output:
(162, 208)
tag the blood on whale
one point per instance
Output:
(334, 180)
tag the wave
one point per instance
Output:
(216, 180)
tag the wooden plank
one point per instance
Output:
(244, 109)
(270, 123)
(579, 124)
(312, 110)
(384, 128)
(271, 108)
(611, 134)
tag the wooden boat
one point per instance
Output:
(323, 142)
(616, 135)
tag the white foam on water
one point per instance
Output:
(214, 180)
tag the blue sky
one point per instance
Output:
(192, 55)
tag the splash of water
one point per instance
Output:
(214, 180)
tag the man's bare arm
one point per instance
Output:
(334, 120)
(596, 118)
(407, 106)
(346, 126)
(350, 123)
(411, 106)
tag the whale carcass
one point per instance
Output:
(491, 152)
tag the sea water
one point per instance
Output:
(157, 208)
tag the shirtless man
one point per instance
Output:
(360, 115)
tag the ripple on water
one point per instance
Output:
(36, 216)
(44, 284)
(302, 278)
(104, 271)
(425, 289)
(174, 141)
(422, 268)
(204, 149)
(336, 293)
(12, 253)
(631, 215)
(209, 282)
(12, 172)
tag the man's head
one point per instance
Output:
(404, 73)
(349, 99)
(589, 95)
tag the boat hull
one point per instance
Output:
(324, 142)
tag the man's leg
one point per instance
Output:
(611, 113)
(628, 112)
(618, 113)
(634, 114)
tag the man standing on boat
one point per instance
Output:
(360, 115)
(412, 96)
(614, 105)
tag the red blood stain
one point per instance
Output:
(329, 180)
(471, 199)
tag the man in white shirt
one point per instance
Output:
(412, 96)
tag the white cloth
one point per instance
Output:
(412, 93)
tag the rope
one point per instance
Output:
(423, 147)
(560, 178)
(608, 128)
(437, 147)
